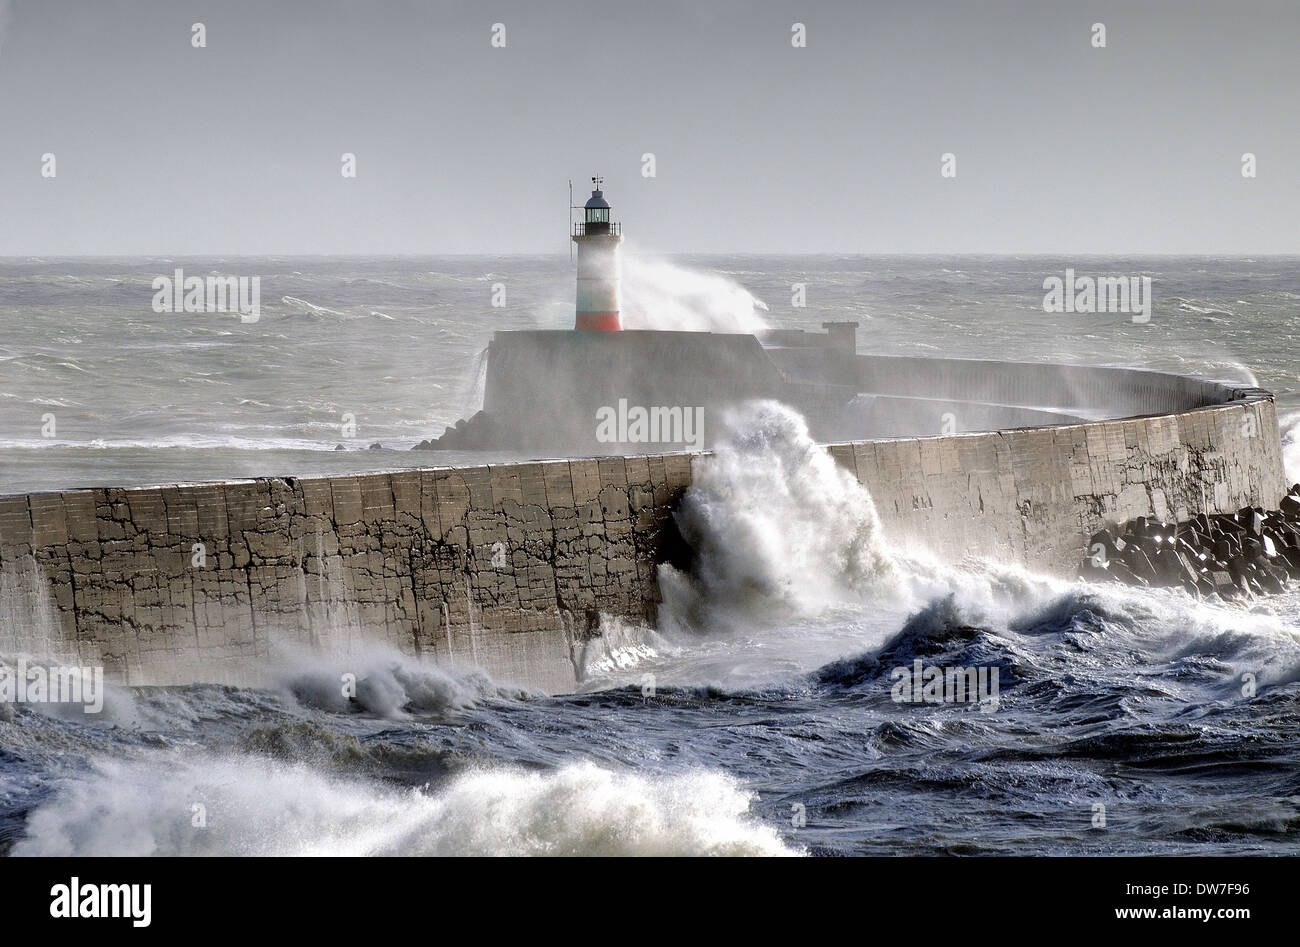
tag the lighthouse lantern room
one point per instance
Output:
(597, 237)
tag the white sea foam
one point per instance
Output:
(662, 295)
(780, 527)
(380, 680)
(303, 306)
(776, 523)
(1167, 625)
(347, 674)
(253, 805)
(1290, 425)
(793, 570)
(621, 646)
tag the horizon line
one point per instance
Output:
(1036, 254)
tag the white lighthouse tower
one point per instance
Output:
(597, 237)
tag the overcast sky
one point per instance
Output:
(162, 148)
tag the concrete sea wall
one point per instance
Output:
(510, 567)
(506, 567)
(1033, 496)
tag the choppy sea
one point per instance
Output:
(758, 718)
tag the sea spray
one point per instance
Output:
(474, 385)
(776, 524)
(1290, 425)
(662, 295)
(378, 680)
(788, 545)
(254, 805)
(621, 646)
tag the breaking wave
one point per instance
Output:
(379, 680)
(248, 805)
(776, 523)
(792, 571)
(779, 529)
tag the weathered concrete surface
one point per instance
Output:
(506, 567)
(509, 567)
(1033, 496)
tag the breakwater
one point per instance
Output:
(511, 567)
(1232, 555)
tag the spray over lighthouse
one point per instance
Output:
(597, 237)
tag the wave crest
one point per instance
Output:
(775, 524)
(257, 806)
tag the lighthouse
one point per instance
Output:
(597, 237)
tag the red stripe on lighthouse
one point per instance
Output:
(598, 322)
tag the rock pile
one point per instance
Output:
(479, 432)
(1232, 555)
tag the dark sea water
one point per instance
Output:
(758, 717)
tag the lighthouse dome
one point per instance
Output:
(597, 200)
